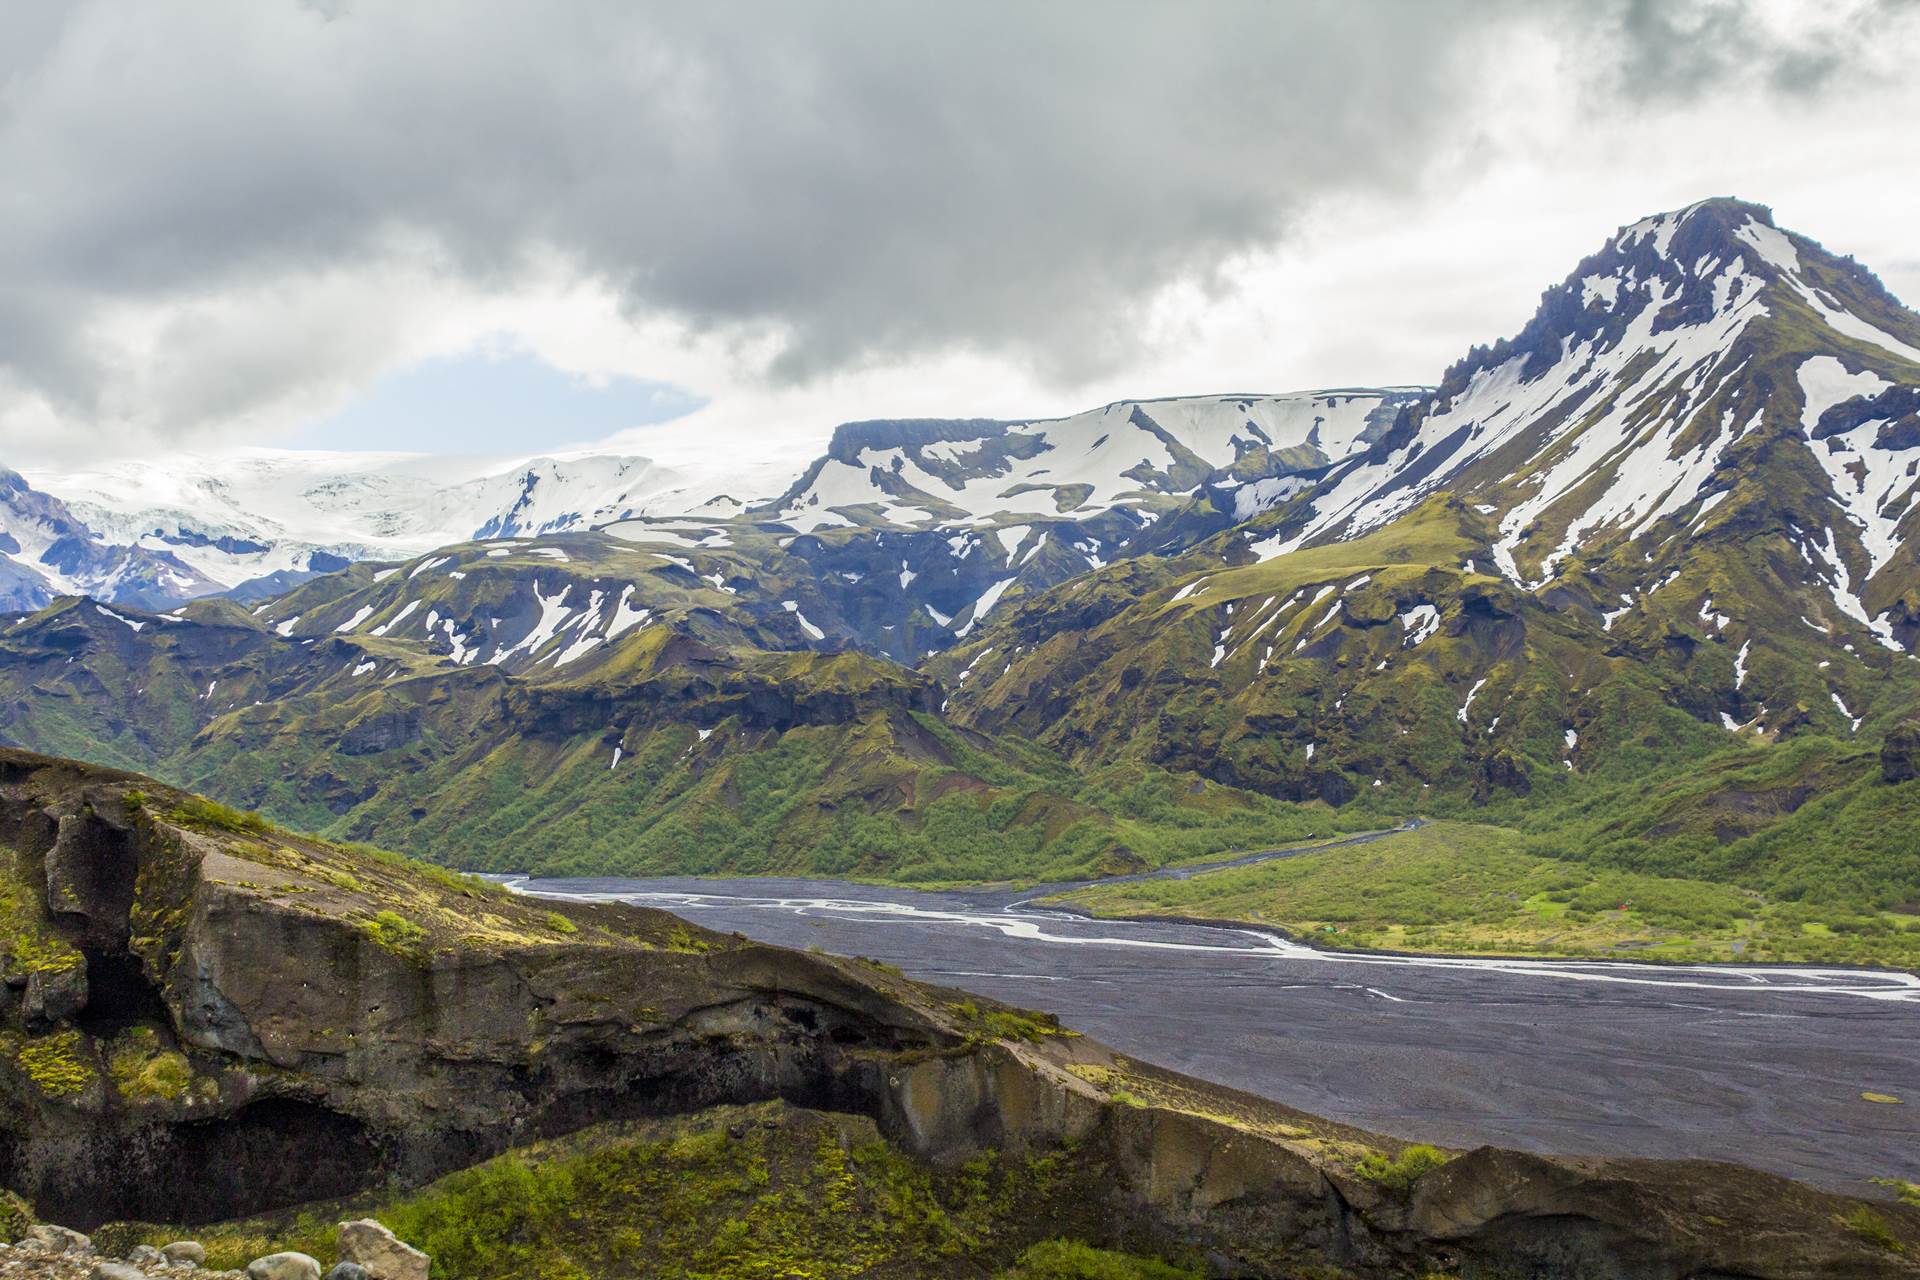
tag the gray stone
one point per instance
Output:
(283, 1266)
(145, 1255)
(185, 1251)
(348, 1271)
(59, 1239)
(381, 1252)
(116, 1271)
(53, 994)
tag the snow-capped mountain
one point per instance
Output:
(1704, 371)
(919, 529)
(47, 550)
(1677, 508)
(263, 520)
(922, 473)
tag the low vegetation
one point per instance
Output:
(1069, 1260)
(736, 1193)
(1871, 1227)
(197, 811)
(1466, 888)
(143, 1069)
(1398, 1173)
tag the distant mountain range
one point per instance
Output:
(1647, 564)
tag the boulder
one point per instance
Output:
(383, 1254)
(283, 1266)
(59, 1239)
(115, 1271)
(145, 1255)
(54, 994)
(348, 1271)
(185, 1251)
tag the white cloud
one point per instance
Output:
(227, 220)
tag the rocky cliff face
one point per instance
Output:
(190, 989)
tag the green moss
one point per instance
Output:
(42, 953)
(16, 1215)
(764, 1192)
(1071, 1260)
(433, 873)
(559, 923)
(55, 1065)
(143, 1070)
(24, 934)
(346, 880)
(1006, 1024)
(684, 940)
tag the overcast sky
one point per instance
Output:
(517, 227)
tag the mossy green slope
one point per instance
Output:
(1389, 675)
(767, 1191)
(663, 748)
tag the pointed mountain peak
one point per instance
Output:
(1723, 224)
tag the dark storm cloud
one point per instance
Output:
(1684, 48)
(869, 181)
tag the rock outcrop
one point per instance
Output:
(294, 1021)
(379, 1253)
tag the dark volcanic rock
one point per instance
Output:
(1899, 752)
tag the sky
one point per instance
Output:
(690, 231)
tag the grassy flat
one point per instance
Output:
(1471, 889)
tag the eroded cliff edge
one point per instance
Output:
(189, 988)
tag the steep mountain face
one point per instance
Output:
(189, 988)
(1670, 519)
(1707, 381)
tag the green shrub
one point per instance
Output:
(197, 811)
(1908, 1192)
(394, 931)
(1405, 1169)
(1872, 1228)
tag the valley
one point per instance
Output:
(819, 641)
(1763, 1066)
(1528, 763)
